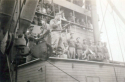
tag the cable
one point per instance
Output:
(118, 36)
(63, 71)
(122, 39)
(102, 14)
(110, 48)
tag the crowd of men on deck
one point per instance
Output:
(72, 48)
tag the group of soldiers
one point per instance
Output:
(86, 50)
(53, 32)
(69, 48)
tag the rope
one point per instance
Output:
(102, 14)
(121, 34)
(118, 36)
(109, 47)
(63, 71)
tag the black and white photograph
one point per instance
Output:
(62, 41)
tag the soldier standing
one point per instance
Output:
(85, 48)
(90, 26)
(79, 48)
(71, 44)
(55, 26)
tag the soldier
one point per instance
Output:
(38, 9)
(100, 50)
(82, 22)
(43, 9)
(62, 14)
(88, 4)
(91, 52)
(77, 21)
(71, 17)
(71, 44)
(45, 27)
(35, 20)
(85, 48)
(55, 26)
(105, 52)
(79, 48)
(90, 26)
(48, 9)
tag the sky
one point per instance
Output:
(115, 28)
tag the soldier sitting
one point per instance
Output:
(105, 52)
(100, 51)
(91, 52)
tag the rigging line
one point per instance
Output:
(122, 38)
(105, 29)
(121, 34)
(110, 50)
(120, 25)
(63, 71)
(118, 36)
(109, 47)
(103, 15)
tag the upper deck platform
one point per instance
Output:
(121, 64)
(73, 7)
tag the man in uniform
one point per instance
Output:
(88, 4)
(82, 22)
(55, 26)
(100, 50)
(71, 44)
(71, 17)
(90, 26)
(79, 48)
(91, 52)
(85, 48)
(105, 52)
